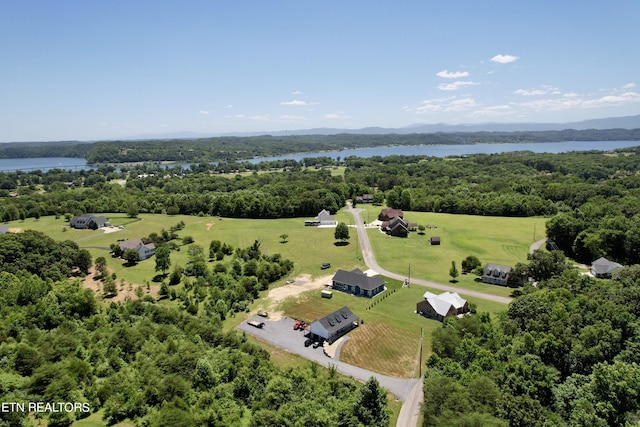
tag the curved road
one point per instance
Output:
(410, 410)
(370, 262)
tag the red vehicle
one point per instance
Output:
(297, 325)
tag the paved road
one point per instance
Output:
(537, 245)
(370, 261)
(281, 334)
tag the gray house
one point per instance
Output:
(357, 283)
(603, 268)
(496, 274)
(85, 221)
(334, 325)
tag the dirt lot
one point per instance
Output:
(301, 284)
(125, 292)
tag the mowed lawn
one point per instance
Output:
(498, 240)
(388, 341)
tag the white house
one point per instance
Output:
(440, 306)
(325, 218)
(144, 250)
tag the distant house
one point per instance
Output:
(357, 283)
(365, 198)
(324, 217)
(435, 240)
(144, 250)
(4, 229)
(85, 221)
(387, 214)
(334, 325)
(497, 274)
(603, 268)
(440, 306)
(397, 227)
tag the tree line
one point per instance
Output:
(227, 149)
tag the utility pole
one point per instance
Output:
(409, 278)
(534, 231)
(420, 357)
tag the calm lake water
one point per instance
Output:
(46, 163)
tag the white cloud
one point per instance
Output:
(448, 104)
(545, 90)
(629, 86)
(294, 102)
(228, 106)
(494, 111)
(453, 75)
(576, 102)
(504, 59)
(456, 85)
(203, 112)
(296, 92)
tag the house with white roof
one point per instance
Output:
(325, 218)
(440, 306)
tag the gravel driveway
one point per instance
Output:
(281, 334)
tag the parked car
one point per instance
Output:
(325, 265)
(256, 324)
(308, 342)
(317, 344)
(263, 314)
(297, 325)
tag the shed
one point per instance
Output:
(435, 240)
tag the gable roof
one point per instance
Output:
(356, 277)
(604, 266)
(324, 215)
(337, 320)
(496, 270)
(442, 303)
(131, 244)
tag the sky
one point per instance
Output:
(97, 70)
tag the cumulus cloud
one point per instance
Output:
(576, 101)
(504, 59)
(203, 112)
(296, 92)
(629, 86)
(296, 102)
(456, 85)
(452, 75)
(494, 111)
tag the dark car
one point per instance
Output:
(317, 344)
(308, 342)
(325, 265)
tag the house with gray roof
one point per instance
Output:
(85, 221)
(440, 306)
(357, 283)
(498, 274)
(334, 325)
(325, 218)
(603, 268)
(145, 250)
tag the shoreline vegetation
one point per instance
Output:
(234, 149)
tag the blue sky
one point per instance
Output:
(88, 70)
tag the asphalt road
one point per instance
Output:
(281, 334)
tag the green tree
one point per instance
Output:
(470, 263)
(131, 256)
(101, 266)
(163, 259)
(283, 238)
(342, 232)
(371, 404)
(453, 271)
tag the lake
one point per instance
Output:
(68, 163)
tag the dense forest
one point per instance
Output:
(566, 353)
(157, 365)
(227, 149)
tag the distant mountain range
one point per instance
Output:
(629, 122)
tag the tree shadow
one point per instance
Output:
(341, 243)
(159, 277)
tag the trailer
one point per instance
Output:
(326, 294)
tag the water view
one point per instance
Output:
(69, 163)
